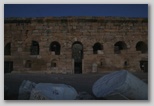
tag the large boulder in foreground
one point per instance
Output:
(121, 82)
(49, 91)
(25, 89)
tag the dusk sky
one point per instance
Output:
(43, 10)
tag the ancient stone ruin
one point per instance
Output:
(75, 44)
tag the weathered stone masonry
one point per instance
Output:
(75, 44)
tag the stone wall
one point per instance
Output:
(106, 31)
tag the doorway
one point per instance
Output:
(144, 65)
(8, 66)
(77, 55)
(77, 67)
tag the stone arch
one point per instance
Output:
(118, 46)
(77, 55)
(141, 46)
(77, 48)
(34, 49)
(55, 46)
(97, 46)
(7, 49)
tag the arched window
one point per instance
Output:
(7, 49)
(34, 48)
(77, 51)
(118, 46)
(55, 47)
(53, 63)
(141, 46)
(144, 65)
(77, 55)
(28, 64)
(125, 63)
(96, 47)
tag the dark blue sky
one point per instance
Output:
(42, 10)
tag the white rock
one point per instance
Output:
(121, 82)
(25, 90)
(49, 91)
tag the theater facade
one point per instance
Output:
(75, 45)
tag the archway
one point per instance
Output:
(34, 48)
(55, 46)
(77, 55)
(118, 46)
(97, 46)
(8, 66)
(141, 46)
(28, 64)
(7, 49)
(144, 65)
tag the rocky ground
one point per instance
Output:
(81, 82)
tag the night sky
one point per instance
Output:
(43, 10)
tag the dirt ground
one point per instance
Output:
(81, 82)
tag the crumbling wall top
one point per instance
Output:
(74, 18)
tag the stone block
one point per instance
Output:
(100, 52)
(19, 49)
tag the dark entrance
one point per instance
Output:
(144, 65)
(8, 66)
(77, 55)
(34, 48)
(78, 67)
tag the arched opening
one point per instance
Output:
(101, 62)
(8, 66)
(96, 47)
(55, 47)
(53, 63)
(77, 55)
(144, 65)
(28, 64)
(141, 46)
(118, 46)
(125, 63)
(7, 49)
(34, 48)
